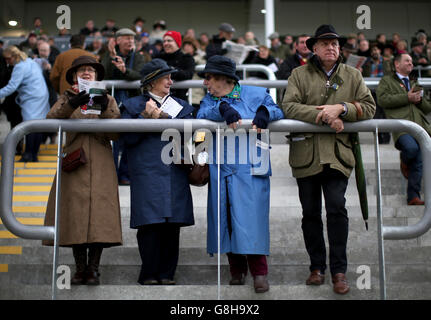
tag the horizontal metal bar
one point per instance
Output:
(149, 125)
(371, 83)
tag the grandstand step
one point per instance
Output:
(33, 180)
(295, 255)
(10, 250)
(396, 291)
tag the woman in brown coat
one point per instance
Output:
(89, 210)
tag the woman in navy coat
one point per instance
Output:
(161, 200)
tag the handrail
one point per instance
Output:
(149, 125)
(371, 83)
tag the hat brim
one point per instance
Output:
(214, 71)
(164, 72)
(312, 41)
(99, 69)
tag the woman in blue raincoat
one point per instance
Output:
(244, 172)
(161, 200)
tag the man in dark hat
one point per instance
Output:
(121, 62)
(215, 47)
(322, 92)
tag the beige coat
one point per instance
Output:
(90, 208)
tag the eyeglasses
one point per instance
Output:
(86, 69)
(7, 58)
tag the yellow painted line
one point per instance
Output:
(31, 188)
(4, 234)
(33, 179)
(48, 152)
(29, 209)
(36, 172)
(32, 221)
(46, 158)
(48, 146)
(31, 165)
(4, 268)
(29, 221)
(29, 198)
(10, 250)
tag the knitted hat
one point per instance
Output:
(174, 35)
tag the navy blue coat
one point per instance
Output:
(159, 192)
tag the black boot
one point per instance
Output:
(92, 273)
(80, 255)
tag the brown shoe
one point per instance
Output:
(261, 284)
(316, 278)
(237, 279)
(404, 169)
(340, 283)
(416, 202)
(78, 278)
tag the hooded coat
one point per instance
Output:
(90, 206)
(159, 192)
(244, 180)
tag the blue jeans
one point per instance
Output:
(411, 156)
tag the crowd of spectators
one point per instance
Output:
(185, 50)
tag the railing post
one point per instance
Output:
(380, 241)
(218, 213)
(57, 213)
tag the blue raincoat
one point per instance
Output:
(159, 193)
(244, 180)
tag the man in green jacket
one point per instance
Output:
(402, 98)
(323, 92)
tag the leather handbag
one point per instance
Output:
(199, 175)
(73, 160)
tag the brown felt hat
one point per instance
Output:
(85, 61)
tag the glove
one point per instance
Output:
(228, 113)
(261, 119)
(102, 101)
(79, 100)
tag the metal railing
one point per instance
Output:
(371, 83)
(421, 68)
(148, 125)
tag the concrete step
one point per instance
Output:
(209, 292)
(285, 231)
(198, 256)
(207, 275)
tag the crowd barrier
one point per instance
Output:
(149, 125)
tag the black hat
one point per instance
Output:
(416, 44)
(155, 69)
(220, 65)
(349, 47)
(325, 31)
(85, 61)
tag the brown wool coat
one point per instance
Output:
(62, 63)
(90, 208)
